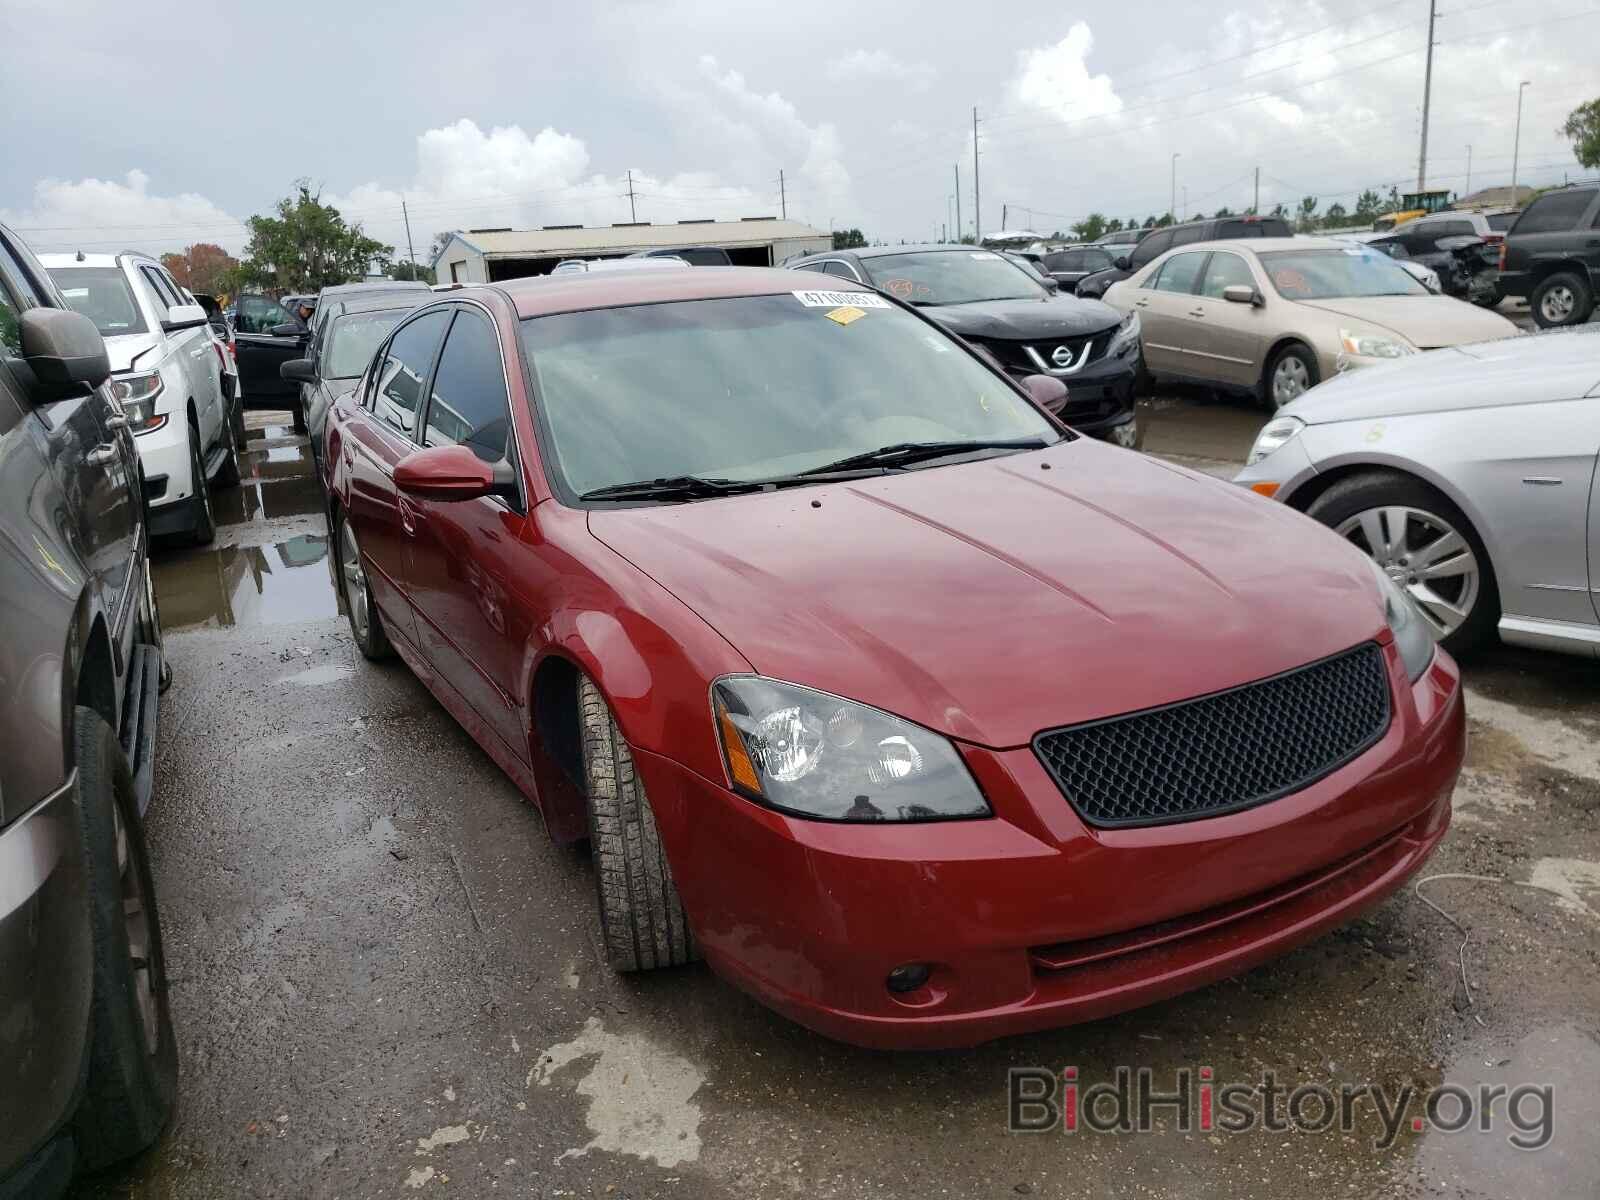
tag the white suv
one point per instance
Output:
(167, 373)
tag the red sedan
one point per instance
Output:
(918, 716)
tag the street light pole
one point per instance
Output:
(1427, 98)
(1516, 144)
(1172, 206)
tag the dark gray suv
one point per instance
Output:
(88, 1065)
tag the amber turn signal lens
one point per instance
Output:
(740, 768)
(1269, 490)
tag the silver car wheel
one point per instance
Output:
(1556, 305)
(1290, 379)
(355, 581)
(1426, 556)
(1126, 435)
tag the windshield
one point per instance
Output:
(102, 294)
(1328, 274)
(353, 339)
(1500, 222)
(754, 388)
(952, 277)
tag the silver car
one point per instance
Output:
(1469, 474)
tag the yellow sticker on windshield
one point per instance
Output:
(846, 314)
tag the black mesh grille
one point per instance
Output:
(1222, 752)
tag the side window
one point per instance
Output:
(1555, 212)
(468, 405)
(1180, 272)
(10, 336)
(405, 365)
(1152, 248)
(1224, 271)
(818, 267)
(257, 314)
(1192, 233)
(165, 296)
(842, 270)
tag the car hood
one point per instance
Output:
(127, 350)
(994, 599)
(1523, 370)
(1025, 320)
(1427, 322)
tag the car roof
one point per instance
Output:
(374, 286)
(919, 248)
(542, 295)
(52, 261)
(1269, 243)
(388, 300)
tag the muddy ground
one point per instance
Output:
(387, 981)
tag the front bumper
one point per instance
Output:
(1100, 396)
(164, 453)
(1032, 919)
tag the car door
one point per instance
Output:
(1230, 340)
(260, 352)
(191, 350)
(381, 434)
(461, 556)
(1164, 305)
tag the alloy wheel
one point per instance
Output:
(355, 580)
(1426, 556)
(1556, 305)
(1290, 379)
(136, 921)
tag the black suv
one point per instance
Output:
(1552, 256)
(88, 1065)
(1156, 243)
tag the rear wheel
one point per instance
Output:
(203, 526)
(1427, 546)
(366, 626)
(1560, 300)
(133, 1064)
(641, 918)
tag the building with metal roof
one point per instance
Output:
(487, 255)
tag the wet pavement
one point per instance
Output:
(387, 982)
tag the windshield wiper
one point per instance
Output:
(904, 453)
(676, 487)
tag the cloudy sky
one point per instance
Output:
(159, 124)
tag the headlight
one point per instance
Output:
(137, 395)
(1273, 434)
(815, 755)
(1373, 345)
(1412, 637)
(1127, 333)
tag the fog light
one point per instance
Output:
(909, 977)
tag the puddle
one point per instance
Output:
(278, 462)
(247, 585)
(255, 502)
(317, 676)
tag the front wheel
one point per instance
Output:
(133, 1057)
(1427, 546)
(641, 917)
(203, 526)
(1291, 374)
(366, 626)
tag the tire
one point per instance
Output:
(203, 526)
(149, 619)
(299, 416)
(1341, 507)
(1129, 435)
(366, 625)
(641, 917)
(1275, 393)
(1561, 300)
(228, 473)
(133, 1056)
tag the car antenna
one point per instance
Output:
(80, 255)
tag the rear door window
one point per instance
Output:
(405, 368)
(257, 314)
(1555, 212)
(1188, 234)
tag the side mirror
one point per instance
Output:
(1053, 286)
(298, 370)
(1123, 264)
(287, 329)
(183, 316)
(1048, 392)
(1242, 293)
(62, 347)
(452, 473)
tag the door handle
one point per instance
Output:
(101, 456)
(1141, 304)
(1197, 312)
(116, 421)
(408, 516)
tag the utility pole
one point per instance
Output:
(633, 213)
(1516, 145)
(977, 200)
(1256, 207)
(1005, 211)
(410, 252)
(1427, 98)
(958, 202)
(783, 196)
(1467, 191)
(1172, 206)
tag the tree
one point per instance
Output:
(406, 270)
(439, 240)
(1583, 127)
(1368, 205)
(848, 239)
(1308, 214)
(1335, 216)
(1393, 202)
(1278, 210)
(1224, 211)
(202, 267)
(308, 246)
(1115, 225)
(1090, 227)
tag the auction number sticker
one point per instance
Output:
(842, 300)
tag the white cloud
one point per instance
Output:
(104, 215)
(879, 66)
(1056, 79)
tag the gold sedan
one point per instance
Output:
(1274, 316)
